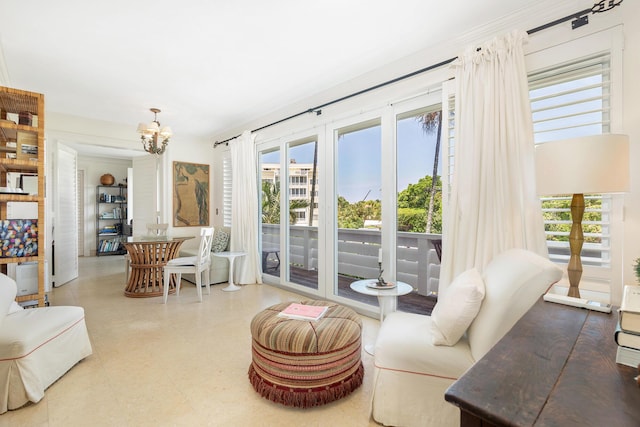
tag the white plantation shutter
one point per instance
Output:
(450, 115)
(567, 101)
(227, 179)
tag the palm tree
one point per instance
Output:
(271, 204)
(431, 122)
(296, 204)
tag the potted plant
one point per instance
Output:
(636, 269)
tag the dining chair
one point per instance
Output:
(197, 265)
(152, 229)
(158, 229)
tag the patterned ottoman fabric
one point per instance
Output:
(306, 363)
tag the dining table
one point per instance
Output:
(149, 254)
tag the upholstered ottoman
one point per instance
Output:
(305, 363)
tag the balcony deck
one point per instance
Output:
(358, 252)
(411, 303)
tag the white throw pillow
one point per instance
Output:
(456, 309)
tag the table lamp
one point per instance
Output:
(594, 164)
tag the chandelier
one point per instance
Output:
(154, 139)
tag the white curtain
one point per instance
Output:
(244, 209)
(493, 205)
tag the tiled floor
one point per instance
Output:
(180, 364)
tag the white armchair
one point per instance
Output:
(412, 374)
(37, 346)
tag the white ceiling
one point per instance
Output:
(213, 65)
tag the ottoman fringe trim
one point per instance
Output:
(307, 396)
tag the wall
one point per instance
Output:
(626, 121)
(111, 147)
(193, 152)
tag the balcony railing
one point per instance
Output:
(417, 261)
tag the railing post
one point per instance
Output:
(306, 248)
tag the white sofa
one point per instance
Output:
(411, 374)
(219, 271)
(37, 346)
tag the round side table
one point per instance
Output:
(387, 298)
(231, 256)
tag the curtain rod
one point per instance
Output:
(580, 18)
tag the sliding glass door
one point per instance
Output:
(303, 212)
(270, 201)
(419, 198)
(358, 201)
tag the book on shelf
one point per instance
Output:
(626, 339)
(628, 356)
(109, 246)
(629, 311)
(303, 311)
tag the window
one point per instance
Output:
(418, 196)
(298, 193)
(299, 180)
(358, 214)
(572, 100)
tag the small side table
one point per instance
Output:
(231, 256)
(387, 298)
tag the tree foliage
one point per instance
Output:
(412, 209)
(271, 204)
(557, 217)
(415, 198)
(432, 123)
(353, 215)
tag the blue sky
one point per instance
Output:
(359, 159)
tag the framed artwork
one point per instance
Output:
(190, 194)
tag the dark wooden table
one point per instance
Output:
(556, 367)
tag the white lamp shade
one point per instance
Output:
(586, 165)
(166, 132)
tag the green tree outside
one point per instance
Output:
(557, 217)
(271, 204)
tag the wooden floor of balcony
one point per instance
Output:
(411, 303)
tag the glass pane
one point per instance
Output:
(270, 211)
(419, 192)
(358, 184)
(303, 213)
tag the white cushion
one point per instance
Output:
(456, 308)
(8, 291)
(37, 346)
(185, 260)
(403, 345)
(514, 281)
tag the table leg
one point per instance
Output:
(232, 287)
(388, 304)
